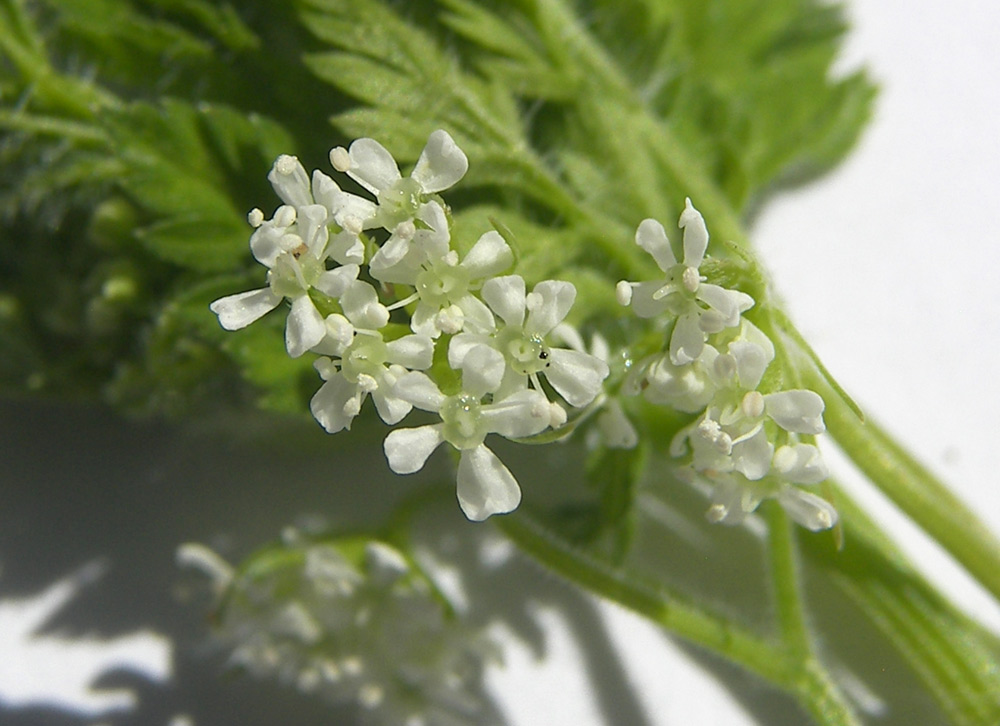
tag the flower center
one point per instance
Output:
(442, 284)
(398, 203)
(524, 354)
(293, 273)
(365, 359)
(463, 424)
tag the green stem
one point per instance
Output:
(785, 576)
(912, 487)
(670, 611)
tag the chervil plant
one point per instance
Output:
(520, 259)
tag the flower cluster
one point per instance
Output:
(749, 444)
(347, 266)
(350, 621)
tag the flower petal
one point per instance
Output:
(372, 166)
(523, 413)
(485, 486)
(304, 328)
(362, 307)
(482, 370)
(290, 181)
(799, 411)
(407, 450)
(644, 302)
(331, 404)
(812, 512)
(752, 457)
(576, 376)
(687, 340)
(751, 362)
(415, 352)
(800, 464)
(336, 281)
(478, 317)
(505, 296)
(695, 235)
(461, 344)
(239, 310)
(390, 407)
(548, 305)
(653, 238)
(728, 303)
(490, 256)
(419, 390)
(441, 164)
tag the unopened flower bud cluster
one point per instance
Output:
(345, 263)
(748, 443)
(350, 622)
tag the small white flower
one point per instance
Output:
(698, 307)
(294, 247)
(364, 364)
(520, 350)
(485, 486)
(444, 284)
(441, 165)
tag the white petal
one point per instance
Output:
(461, 344)
(751, 362)
(313, 229)
(478, 317)
(329, 404)
(482, 370)
(290, 181)
(687, 340)
(433, 243)
(727, 501)
(347, 249)
(390, 409)
(490, 256)
(419, 390)
(304, 328)
(800, 464)
(653, 238)
(576, 376)
(725, 302)
(391, 253)
(617, 430)
(408, 449)
(325, 190)
(799, 411)
(372, 166)
(524, 413)
(485, 486)
(362, 307)
(551, 301)
(336, 281)
(505, 296)
(424, 319)
(752, 458)
(643, 301)
(415, 352)
(695, 235)
(812, 512)
(441, 164)
(239, 310)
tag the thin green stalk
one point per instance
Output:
(785, 576)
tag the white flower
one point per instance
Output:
(734, 496)
(348, 211)
(441, 165)
(485, 485)
(519, 351)
(699, 308)
(294, 247)
(363, 363)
